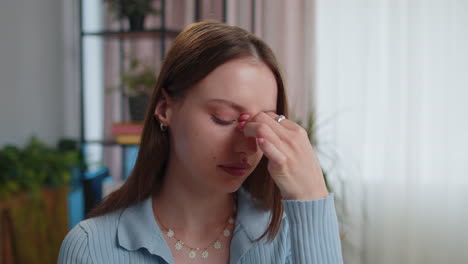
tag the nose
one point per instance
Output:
(243, 144)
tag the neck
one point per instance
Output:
(189, 207)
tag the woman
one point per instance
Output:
(221, 175)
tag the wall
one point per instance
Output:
(31, 71)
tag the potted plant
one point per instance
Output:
(35, 166)
(138, 82)
(134, 10)
(310, 128)
(33, 200)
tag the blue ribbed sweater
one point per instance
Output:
(308, 235)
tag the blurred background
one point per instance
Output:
(381, 86)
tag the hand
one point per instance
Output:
(292, 162)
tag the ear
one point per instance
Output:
(164, 108)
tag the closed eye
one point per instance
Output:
(221, 122)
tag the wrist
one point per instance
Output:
(308, 196)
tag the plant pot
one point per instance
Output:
(137, 22)
(138, 105)
(33, 225)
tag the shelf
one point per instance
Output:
(148, 33)
(107, 142)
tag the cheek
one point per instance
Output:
(215, 142)
(200, 141)
(213, 138)
(206, 140)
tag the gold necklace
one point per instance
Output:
(193, 252)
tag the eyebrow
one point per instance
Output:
(235, 106)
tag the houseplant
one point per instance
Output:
(310, 127)
(34, 166)
(33, 200)
(138, 82)
(134, 10)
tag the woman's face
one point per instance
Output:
(203, 128)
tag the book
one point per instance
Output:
(128, 139)
(127, 128)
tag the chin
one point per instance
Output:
(229, 186)
(228, 183)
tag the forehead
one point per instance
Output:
(245, 85)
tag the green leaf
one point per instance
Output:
(37, 165)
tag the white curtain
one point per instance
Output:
(391, 96)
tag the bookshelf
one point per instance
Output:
(106, 44)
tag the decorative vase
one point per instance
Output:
(137, 22)
(33, 225)
(138, 105)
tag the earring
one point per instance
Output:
(163, 127)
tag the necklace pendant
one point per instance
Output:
(227, 232)
(170, 233)
(205, 254)
(192, 254)
(178, 245)
(217, 245)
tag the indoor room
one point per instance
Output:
(234, 131)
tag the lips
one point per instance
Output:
(236, 169)
(243, 165)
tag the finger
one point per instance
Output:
(261, 130)
(286, 123)
(289, 129)
(263, 118)
(272, 152)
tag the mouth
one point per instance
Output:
(236, 169)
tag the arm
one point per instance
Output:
(294, 167)
(74, 249)
(313, 231)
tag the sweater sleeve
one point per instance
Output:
(313, 231)
(74, 249)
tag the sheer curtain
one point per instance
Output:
(391, 98)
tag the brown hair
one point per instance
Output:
(197, 51)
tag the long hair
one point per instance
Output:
(197, 51)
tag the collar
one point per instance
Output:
(137, 227)
(251, 223)
(252, 218)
